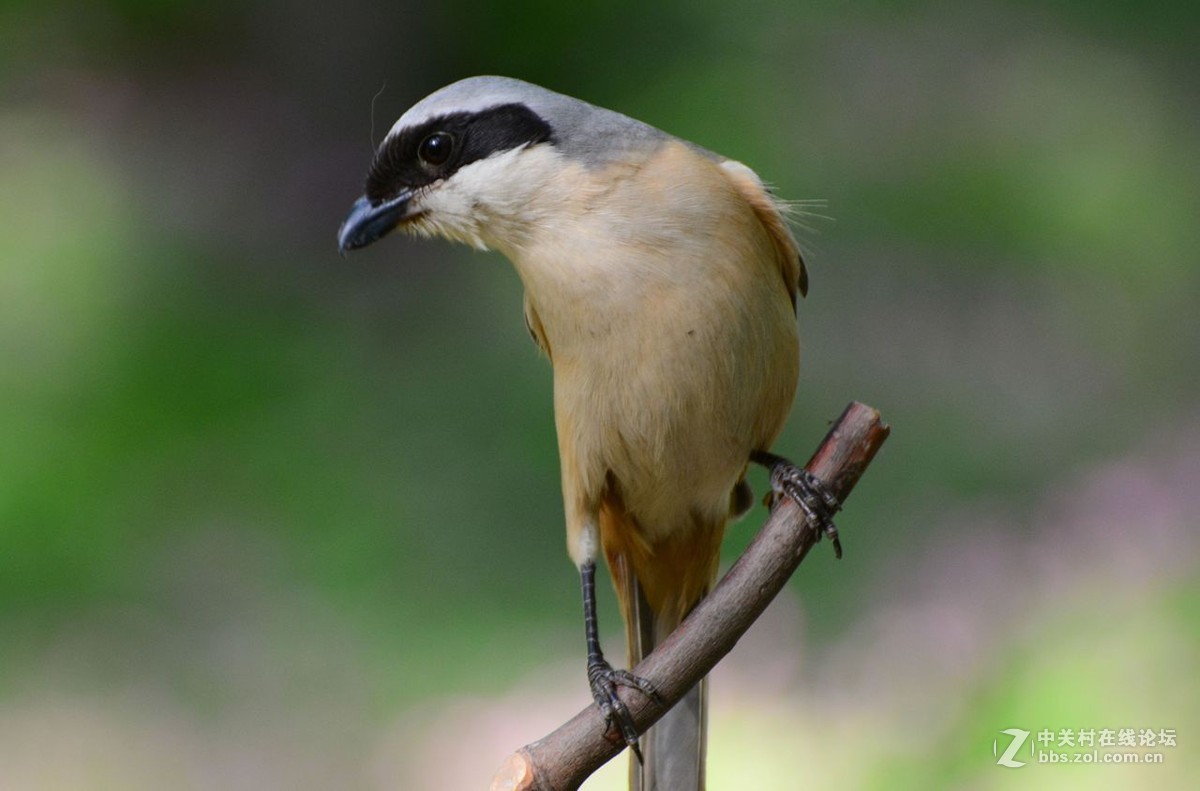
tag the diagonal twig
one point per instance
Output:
(565, 758)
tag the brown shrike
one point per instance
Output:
(661, 281)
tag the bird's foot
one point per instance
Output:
(604, 682)
(809, 492)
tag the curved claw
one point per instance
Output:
(604, 682)
(811, 494)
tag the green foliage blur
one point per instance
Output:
(271, 518)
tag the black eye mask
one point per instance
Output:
(435, 149)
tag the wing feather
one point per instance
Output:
(772, 214)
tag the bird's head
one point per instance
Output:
(480, 160)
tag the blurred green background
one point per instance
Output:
(274, 519)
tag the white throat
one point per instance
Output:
(497, 203)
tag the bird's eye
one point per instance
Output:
(435, 149)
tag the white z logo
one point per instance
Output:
(1019, 737)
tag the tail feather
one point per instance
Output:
(674, 749)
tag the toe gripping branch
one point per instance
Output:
(602, 678)
(807, 490)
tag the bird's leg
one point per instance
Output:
(808, 491)
(601, 676)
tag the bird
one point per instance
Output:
(661, 281)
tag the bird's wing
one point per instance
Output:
(770, 213)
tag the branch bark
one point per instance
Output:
(565, 758)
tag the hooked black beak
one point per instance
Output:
(369, 222)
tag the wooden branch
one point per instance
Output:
(565, 758)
